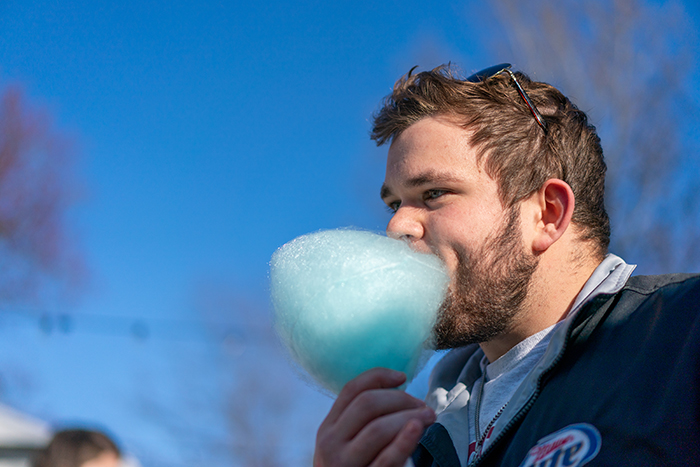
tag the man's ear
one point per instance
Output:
(555, 201)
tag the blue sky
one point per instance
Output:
(210, 133)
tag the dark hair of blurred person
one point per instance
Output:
(79, 448)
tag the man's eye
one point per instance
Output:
(393, 206)
(433, 194)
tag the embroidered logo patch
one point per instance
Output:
(572, 446)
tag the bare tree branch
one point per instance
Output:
(626, 63)
(36, 190)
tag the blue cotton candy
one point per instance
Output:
(346, 301)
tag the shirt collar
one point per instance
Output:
(608, 278)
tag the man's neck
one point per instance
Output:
(552, 294)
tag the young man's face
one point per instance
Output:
(441, 198)
(446, 204)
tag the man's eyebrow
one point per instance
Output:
(425, 178)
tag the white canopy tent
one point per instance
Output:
(21, 437)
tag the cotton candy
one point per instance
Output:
(347, 300)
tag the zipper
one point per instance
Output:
(518, 416)
(480, 442)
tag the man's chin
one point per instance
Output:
(448, 334)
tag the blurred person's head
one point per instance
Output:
(79, 448)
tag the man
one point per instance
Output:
(560, 357)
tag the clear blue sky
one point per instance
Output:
(210, 133)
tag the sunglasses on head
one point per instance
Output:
(492, 71)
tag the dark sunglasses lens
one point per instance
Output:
(479, 76)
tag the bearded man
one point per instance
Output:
(559, 356)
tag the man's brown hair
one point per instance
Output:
(517, 152)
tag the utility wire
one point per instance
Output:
(137, 327)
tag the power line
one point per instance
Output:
(139, 328)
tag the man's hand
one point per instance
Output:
(372, 424)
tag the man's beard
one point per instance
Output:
(489, 289)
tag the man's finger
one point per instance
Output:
(377, 407)
(400, 449)
(381, 433)
(376, 378)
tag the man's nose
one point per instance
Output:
(405, 224)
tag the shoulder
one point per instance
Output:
(662, 293)
(646, 306)
(669, 283)
(655, 312)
